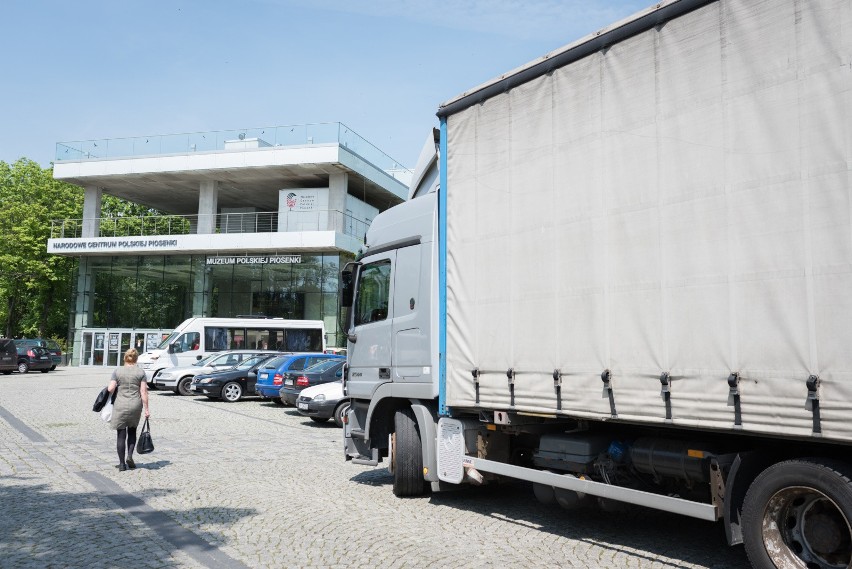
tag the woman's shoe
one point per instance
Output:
(122, 467)
(130, 464)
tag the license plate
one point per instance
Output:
(303, 406)
(193, 388)
(264, 376)
(42, 357)
(288, 382)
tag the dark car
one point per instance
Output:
(271, 377)
(8, 356)
(34, 358)
(323, 372)
(230, 384)
(50, 345)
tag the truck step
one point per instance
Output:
(373, 461)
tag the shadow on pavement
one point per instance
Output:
(42, 527)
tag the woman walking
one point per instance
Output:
(132, 397)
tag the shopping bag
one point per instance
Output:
(106, 412)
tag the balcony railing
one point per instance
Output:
(254, 222)
(224, 140)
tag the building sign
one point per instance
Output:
(277, 260)
(117, 244)
(302, 200)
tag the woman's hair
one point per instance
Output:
(130, 356)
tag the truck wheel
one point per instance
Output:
(183, 385)
(798, 513)
(407, 455)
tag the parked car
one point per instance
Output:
(34, 358)
(8, 356)
(230, 384)
(51, 345)
(270, 377)
(323, 402)
(178, 379)
(295, 381)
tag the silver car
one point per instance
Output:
(178, 379)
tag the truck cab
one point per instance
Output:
(391, 290)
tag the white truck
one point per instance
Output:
(626, 276)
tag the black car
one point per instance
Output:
(8, 356)
(51, 345)
(323, 372)
(230, 384)
(34, 358)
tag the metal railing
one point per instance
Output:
(225, 140)
(252, 222)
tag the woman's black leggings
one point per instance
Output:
(125, 438)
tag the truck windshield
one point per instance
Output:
(165, 343)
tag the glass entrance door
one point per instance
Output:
(106, 347)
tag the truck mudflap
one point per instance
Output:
(454, 465)
(356, 448)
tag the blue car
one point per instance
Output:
(270, 376)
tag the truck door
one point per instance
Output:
(369, 344)
(410, 318)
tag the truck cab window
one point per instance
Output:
(373, 296)
(187, 342)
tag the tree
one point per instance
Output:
(34, 286)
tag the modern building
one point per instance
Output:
(259, 222)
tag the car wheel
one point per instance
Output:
(8, 372)
(232, 391)
(277, 401)
(23, 367)
(407, 455)
(53, 367)
(340, 413)
(319, 419)
(183, 385)
(44, 370)
(798, 513)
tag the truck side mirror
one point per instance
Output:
(347, 288)
(171, 348)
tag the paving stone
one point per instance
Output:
(252, 484)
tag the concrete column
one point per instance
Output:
(92, 196)
(338, 186)
(208, 204)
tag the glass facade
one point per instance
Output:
(159, 292)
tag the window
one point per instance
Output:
(187, 342)
(216, 339)
(297, 364)
(303, 340)
(373, 295)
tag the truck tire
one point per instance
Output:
(798, 513)
(183, 385)
(407, 455)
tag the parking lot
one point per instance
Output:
(251, 484)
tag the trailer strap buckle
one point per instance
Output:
(665, 392)
(734, 398)
(606, 378)
(812, 402)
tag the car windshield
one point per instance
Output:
(204, 361)
(52, 345)
(275, 362)
(251, 362)
(322, 366)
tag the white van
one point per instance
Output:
(198, 337)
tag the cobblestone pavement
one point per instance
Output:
(250, 484)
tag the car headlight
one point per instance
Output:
(146, 366)
(319, 397)
(155, 357)
(205, 380)
(164, 375)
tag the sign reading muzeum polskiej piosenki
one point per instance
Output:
(276, 260)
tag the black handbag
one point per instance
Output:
(146, 443)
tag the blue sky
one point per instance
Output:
(80, 70)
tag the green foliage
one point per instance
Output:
(34, 286)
